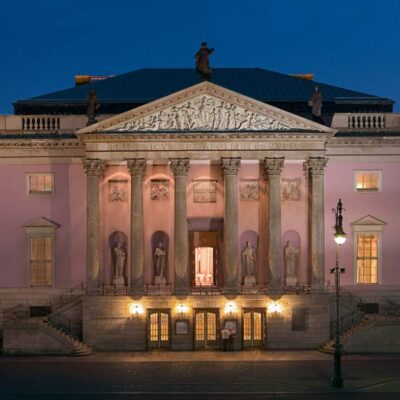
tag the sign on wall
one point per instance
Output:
(205, 191)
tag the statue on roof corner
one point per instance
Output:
(92, 106)
(315, 103)
(202, 62)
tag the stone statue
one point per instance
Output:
(291, 257)
(160, 259)
(315, 103)
(202, 63)
(92, 107)
(249, 259)
(120, 259)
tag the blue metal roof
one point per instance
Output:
(148, 84)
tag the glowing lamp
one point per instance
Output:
(135, 309)
(275, 308)
(230, 308)
(182, 309)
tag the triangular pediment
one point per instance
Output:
(368, 220)
(41, 222)
(206, 107)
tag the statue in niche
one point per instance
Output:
(160, 260)
(92, 106)
(202, 62)
(315, 103)
(249, 263)
(291, 253)
(120, 259)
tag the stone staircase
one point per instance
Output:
(329, 346)
(78, 348)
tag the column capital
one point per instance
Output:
(137, 166)
(94, 166)
(179, 166)
(273, 165)
(316, 165)
(230, 165)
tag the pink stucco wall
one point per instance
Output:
(67, 207)
(339, 183)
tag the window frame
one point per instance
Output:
(373, 226)
(368, 171)
(28, 184)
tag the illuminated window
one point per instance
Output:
(368, 181)
(40, 183)
(41, 251)
(368, 250)
(204, 262)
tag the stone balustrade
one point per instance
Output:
(365, 121)
(14, 124)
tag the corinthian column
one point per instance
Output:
(316, 166)
(180, 168)
(230, 168)
(94, 170)
(273, 168)
(137, 170)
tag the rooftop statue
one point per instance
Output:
(315, 103)
(92, 106)
(202, 62)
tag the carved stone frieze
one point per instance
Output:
(118, 189)
(137, 167)
(205, 191)
(273, 165)
(230, 165)
(203, 113)
(159, 189)
(179, 166)
(316, 165)
(249, 189)
(291, 189)
(94, 167)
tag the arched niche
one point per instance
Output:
(157, 238)
(113, 240)
(252, 238)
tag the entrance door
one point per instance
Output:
(253, 327)
(158, 324)
(206, 322)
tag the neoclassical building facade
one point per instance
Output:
(183, 209)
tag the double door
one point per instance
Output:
(158, 328)
(206, 332)
(253, 327)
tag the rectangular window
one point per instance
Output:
(40, 183)
(41, 260)
(368, 181)
(367, 257)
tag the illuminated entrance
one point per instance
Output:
(253, 328)
(158, 329)
(206, 323)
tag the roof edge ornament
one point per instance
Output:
(202, 62)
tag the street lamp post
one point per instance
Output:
(340, 238)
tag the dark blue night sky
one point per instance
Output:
(348, 43)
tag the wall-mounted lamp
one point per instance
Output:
(231, 308)
(182, 309)
(275, 308)
(135, 310)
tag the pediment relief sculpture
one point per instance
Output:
(203, 113)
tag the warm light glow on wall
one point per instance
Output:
(135, 309)
(182, 309)
(275, 308)
(231, 308)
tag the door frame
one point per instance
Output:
(159, 311)
(263, 326)
(216, 311)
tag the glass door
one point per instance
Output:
(206, 322)
(158, 329)
(253, 328)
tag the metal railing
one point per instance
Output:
(15, 313)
